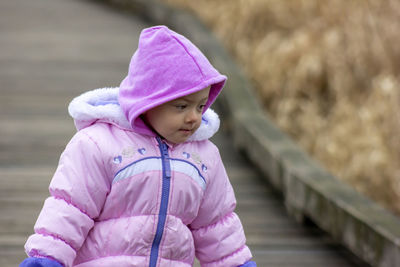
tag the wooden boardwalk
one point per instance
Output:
(53, 50)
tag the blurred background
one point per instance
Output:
(327, 72)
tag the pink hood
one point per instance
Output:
(165, 66)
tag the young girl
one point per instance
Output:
(140, 184)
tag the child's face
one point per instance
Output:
(178, 119)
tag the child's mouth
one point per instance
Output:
(187, 131)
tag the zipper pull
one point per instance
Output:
(167, 163)
(165, 158)
(167, 172)
(165, 149)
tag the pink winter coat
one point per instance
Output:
(122, 196)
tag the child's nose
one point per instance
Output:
(192, 116)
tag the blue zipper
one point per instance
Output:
(162, 215)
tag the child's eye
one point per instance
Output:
(201, 107)
(181, 107)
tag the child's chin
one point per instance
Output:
(183, 140)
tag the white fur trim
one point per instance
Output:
(87, 108)
(209, 126)
(102, 104)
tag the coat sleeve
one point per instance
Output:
(77, 194)
(218, 233)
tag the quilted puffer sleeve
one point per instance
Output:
(77, 194)
(218, 233)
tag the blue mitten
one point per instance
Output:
(40, 262)
(249, 264)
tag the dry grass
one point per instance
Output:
(328, 73)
